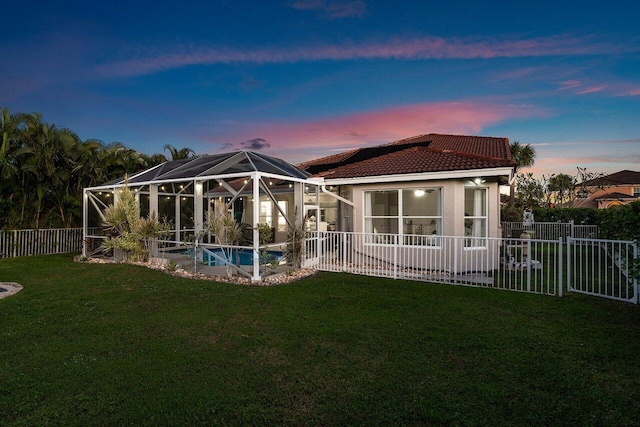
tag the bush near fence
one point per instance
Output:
(580, 216)
(620, 222)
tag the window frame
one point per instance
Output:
(484, 217)
(433, 240)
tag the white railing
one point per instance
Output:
(16, 243)
(515, 264)
(549, 230)
(602, 268)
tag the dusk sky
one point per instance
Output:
(301, 79)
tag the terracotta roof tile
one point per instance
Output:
(417, 154)
(615, 196)
(624, 177)
(416, 160)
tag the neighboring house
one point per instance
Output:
(424, 185)
(616, 189)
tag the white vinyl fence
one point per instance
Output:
(515, 264)
(590, 266)
(550, 230)
(16, 243)
(602, 268)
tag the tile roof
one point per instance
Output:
(418, 154)
(624, 177)
(615, 196)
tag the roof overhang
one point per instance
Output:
(424, 176)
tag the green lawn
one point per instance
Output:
(88, 344)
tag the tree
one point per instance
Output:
(181, 154)
(531, 192)
(43, 170)
(524, 156)
(562, 187)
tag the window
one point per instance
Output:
(475, 216)
(381, 212)
(282, 222)
(265, 212)
(411, 212)
(636, 191)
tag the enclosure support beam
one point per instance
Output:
(198, 207)
(256, 233)
(153, 200)
(85, 221)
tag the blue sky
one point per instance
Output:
(301, 79)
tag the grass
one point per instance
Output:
(87, 344)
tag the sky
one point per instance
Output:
(302, 79)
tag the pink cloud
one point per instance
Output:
(597, 156)
(634, 92)
(569, 84)
(591, 89)
(301, 141)
(430, 47)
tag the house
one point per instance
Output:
(424, 185)
(415, 189)
(619, 188)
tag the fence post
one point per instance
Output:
(455, 260)
(635, 284)
(560, 266)
(529, 265)
(14, 239)
(569, 242)
(395, 256)
(345, 236)
(572, 231)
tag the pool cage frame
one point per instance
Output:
(219, 182)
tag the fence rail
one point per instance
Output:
(589, 266)
(549, 230)
(16, 243)
(514, 264)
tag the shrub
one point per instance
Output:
(580, 216)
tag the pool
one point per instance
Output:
(245, 256)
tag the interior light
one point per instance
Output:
(270, 182)
(418, 193)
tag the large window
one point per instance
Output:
(475, 216)
(410, 212)
(282, 222)
(265, 213)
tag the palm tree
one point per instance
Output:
(524, 156)
(183, 153)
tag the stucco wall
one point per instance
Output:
(452, 203)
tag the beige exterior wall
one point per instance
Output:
(452, 203)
